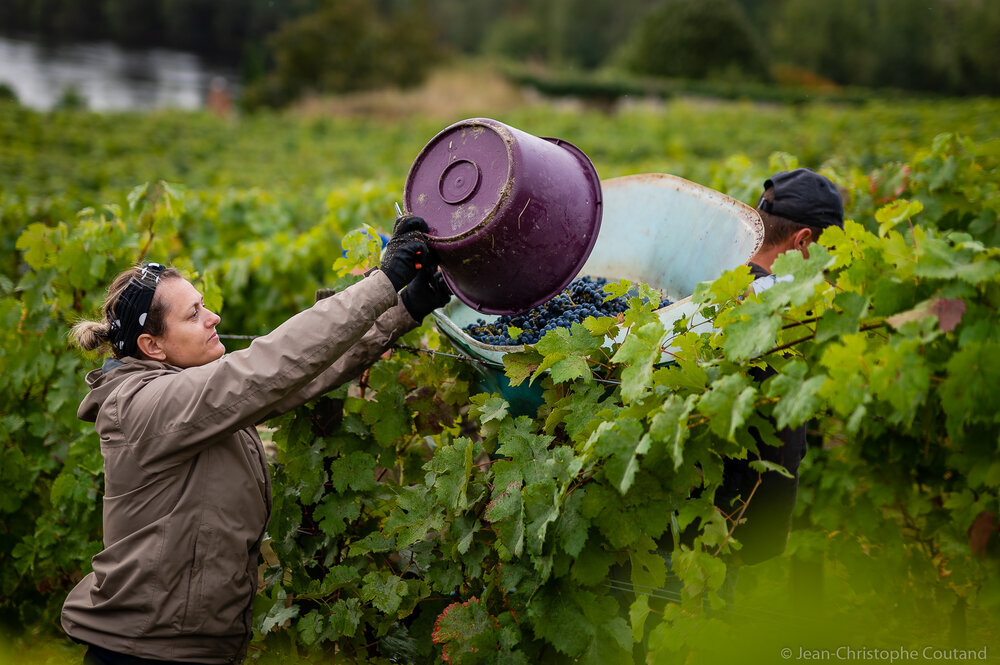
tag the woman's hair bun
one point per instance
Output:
(89, 335)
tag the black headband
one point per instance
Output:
(132, 308)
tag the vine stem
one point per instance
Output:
(743, 509)
(872, 326)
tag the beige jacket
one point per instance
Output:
(187, 489)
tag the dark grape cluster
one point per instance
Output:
(582, 298)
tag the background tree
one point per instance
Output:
(695, 39)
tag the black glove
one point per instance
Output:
(425, 293)
(406, 252)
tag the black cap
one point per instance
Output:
(805, 197)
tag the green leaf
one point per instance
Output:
(638, 611)
(383, 590)
(355, 471)
(807, 274)
(622, 442)
(344, 618)
(334, 512)
(467, 631)
(727, 404)
(799, 399)
(556, 616)
(728, 286)
(519, 366)
(844, 318)
(506, 512)
(750, 329)
(669, 425)
(763, 466)
(565, 353)
(310, 628)
(277, 616)
(541, 509)
(572, 528)
(969, 393)
(638, 352)
(414, 515)
(895, 213)
(452, 468)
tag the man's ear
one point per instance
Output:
(150, 347)
(802, 239)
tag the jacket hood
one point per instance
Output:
(106, 379)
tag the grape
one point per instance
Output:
(582, 298)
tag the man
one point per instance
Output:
(795, 207)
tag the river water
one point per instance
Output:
(107, 76)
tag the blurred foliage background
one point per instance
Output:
(285, 49)
(338, 97)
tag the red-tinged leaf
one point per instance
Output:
(982, 529)
(949, 312)
(468, 632)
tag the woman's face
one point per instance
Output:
(189, 338)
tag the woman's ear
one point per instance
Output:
(150, 347)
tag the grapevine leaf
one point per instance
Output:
(416, 513)
(807, 274)
(750, 329)
(727, 404)
(355, 470)
(506, 512)
(669, 425)
(622, 442)
(763, 466)
(373, 542)
(334, 512)
(277, 616)
(556, 616)
(892, 215)
(494, 408)
(900, 376)
(451, 468)
(798, 395)
(848, 387)
(572, 529)
(344, 618)
(310, 628)
(541, 508)
(383, 590)
(519, 366)
(467, 631)
(843, 321)
(639, 351)
(649, 570)
(728, 286)
(638, 611)
(948, 312)
(969, 392)
(565, 353)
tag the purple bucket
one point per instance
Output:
(512, 217)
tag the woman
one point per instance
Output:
(187, 490)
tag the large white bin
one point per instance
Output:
(658, 229)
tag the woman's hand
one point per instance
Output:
(425, 293)
(406, 252)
